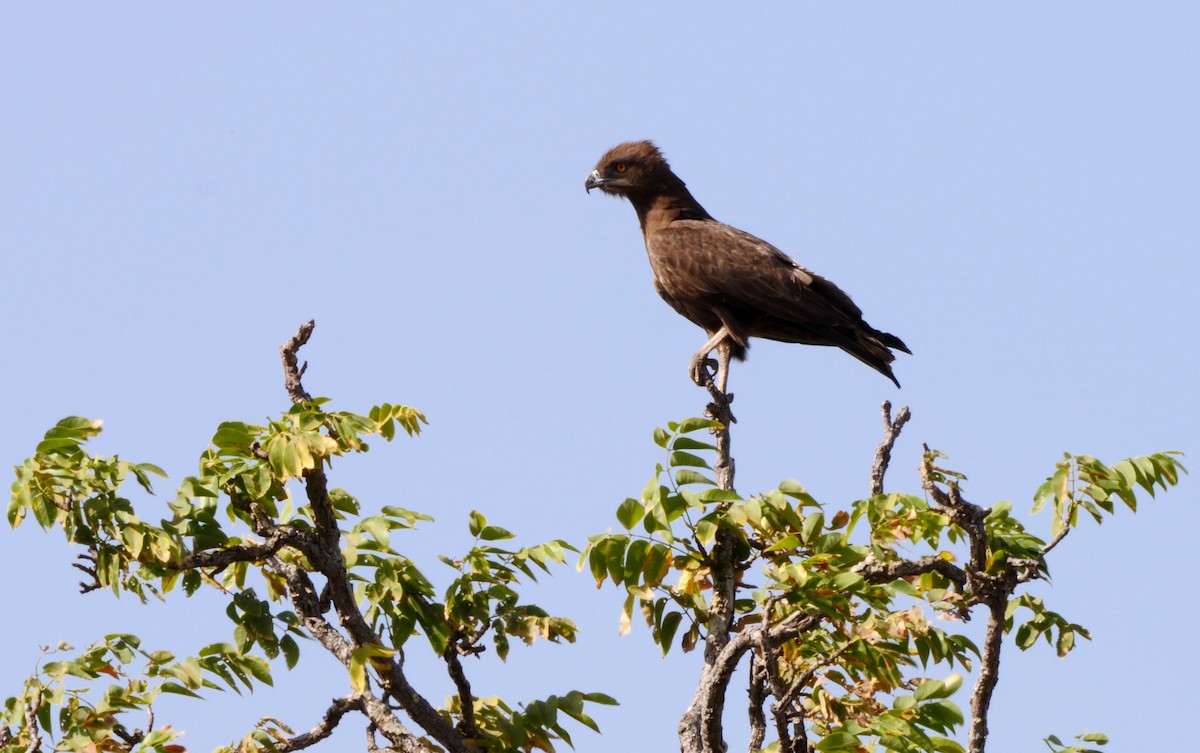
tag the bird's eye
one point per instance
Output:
(620, 167)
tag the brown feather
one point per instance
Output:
(718, 276)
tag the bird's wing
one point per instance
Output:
(746, 272)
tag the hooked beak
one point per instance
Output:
(595, 180)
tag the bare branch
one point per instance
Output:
(1055, 541)
(883, 454)
(87, 586)
(329, 722)
(291, 372)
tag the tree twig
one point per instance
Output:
(87, 586)
(883, 454)
(291, 371)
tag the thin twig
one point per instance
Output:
(883, 454)
(89, 585)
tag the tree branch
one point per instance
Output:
(31, 722)
(386, 723)
(993, 591)
(292, 372)
(278, 538)
(700, 728)
(989, 675)
(87, 586)
(466, 700)
(882, 572)
(326, 557)
(758, 697)
(883, 454)
(329, 722)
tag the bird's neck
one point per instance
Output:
(672, 203)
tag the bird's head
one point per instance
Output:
(635, 167)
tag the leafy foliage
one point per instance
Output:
(235, 527)
(841, 628)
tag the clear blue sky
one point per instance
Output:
(1011, 189)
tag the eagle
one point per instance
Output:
(730, 283)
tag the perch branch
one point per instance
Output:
(700, 728)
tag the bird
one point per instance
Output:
(728, 282)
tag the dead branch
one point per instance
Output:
(883, 454)
(292, 372)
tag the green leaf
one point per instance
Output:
(661, 437)
(476, 523)
(838, 741)
(290, 649)
(629, 513)
(666, 631)
(688, 476)
(791, 541)
(688, 425)
(813, 524)
(845, 581)
(495, 533)
(680, 458)
(931, 689)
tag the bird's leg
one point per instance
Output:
(698, 369)
(724, 352)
